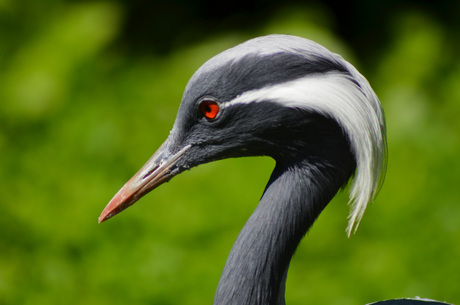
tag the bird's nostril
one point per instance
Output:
(150, 172)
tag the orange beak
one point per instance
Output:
(160, 168)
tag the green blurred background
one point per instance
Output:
(89, 90)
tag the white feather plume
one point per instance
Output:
(346, 97)
(357, 111)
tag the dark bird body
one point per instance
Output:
(293, 100)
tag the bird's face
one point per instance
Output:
(273, 96)
(208, 129)
(221, 115)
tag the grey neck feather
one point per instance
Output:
(256, 269)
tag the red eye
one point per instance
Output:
(209, 109)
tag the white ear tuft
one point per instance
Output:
(349, 99)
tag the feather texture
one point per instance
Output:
(299, 73)
(337, 96)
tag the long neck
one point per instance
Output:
(256, 270)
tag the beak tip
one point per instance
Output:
(122, 200)
(104, 216)
(101, 219)
(118, 203)
(110, 210)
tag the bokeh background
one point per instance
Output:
(89, 90)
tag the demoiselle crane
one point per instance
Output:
(311, 111)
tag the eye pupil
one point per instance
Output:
(209, 109)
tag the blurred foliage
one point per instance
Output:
(80, 113)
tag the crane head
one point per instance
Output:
(257, 99)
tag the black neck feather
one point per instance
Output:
(256, 270)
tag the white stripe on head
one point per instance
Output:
(357, 110)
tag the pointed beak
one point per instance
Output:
(160, 168)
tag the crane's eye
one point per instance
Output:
(209, 109)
